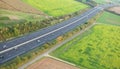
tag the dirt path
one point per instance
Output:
(55, 47)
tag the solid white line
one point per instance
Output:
(46, 33)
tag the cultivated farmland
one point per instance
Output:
(8, 18)
(98, 49)
(56, 7)
(49, 63)
(18, 5)
(115, 9)
(109, 18)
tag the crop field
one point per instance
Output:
(18, 5)
(19, 15)
(115, 10)
(49, 63)
(109, 18)
(57, 7)
(98, 48)
(8, 17)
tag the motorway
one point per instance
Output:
(15, 47)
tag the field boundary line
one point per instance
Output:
(61, 60)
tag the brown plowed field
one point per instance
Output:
(49, 63)
(115, 9)
(18, 5)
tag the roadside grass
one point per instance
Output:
(109, 18)
(96, 50)
(8, 18)
(56, 7)
(6, 23)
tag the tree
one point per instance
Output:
(1, 36)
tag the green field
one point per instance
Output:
(57, 7)
(98, 49)
(109, 18)
(20, 15)
(8, 18)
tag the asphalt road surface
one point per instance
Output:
(15, 47)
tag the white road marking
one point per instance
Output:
(47, 33)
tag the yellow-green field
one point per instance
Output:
(98, 49)
(57, 7)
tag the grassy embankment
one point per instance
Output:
(97, 48)
(57, 7)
